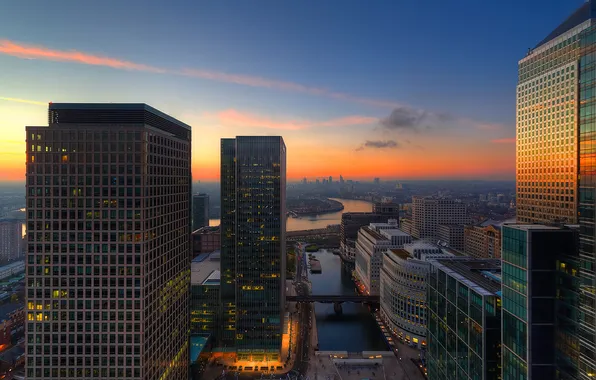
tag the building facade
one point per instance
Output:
(482, 242)
(530, 259)
(204, 294)
(11, 240)
(253, 245)
(452, 235)
(429, 212)
(108, 215)
(370, 245)
(205, 240)
(464, 319)
(200, 211)
(403, 291)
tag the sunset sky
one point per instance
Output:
(390, 89)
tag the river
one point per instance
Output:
(320, 221)
(355, 329)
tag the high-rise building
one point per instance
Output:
(531, 295)
(253, 245)
(205, 240)
(482, 241)
(451, 235)
(200, 211)
(108, 210)
(11, 240)
(464, 319)
(429, 212)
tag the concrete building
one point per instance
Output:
(200, 211)
(204, 294)
(429, 212)
(464, 319)
(370, 245)
(12, 269)
(108, 215)
(205, 240)
(253, 245)
(452, 235)
(403, 290)
(482, 242)
(351, 222)
(11, 240)
(406, 225)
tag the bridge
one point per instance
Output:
(334, 299)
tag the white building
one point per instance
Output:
(429, 212)
(403, 290)
(372, 241)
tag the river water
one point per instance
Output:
(320, 221)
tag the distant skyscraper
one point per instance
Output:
(200, 211)
(341, 180)
(330, 179)
(11, 240)
(253, 245)
(108, 204)
(377, 181)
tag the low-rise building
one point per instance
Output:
(403, 290)
(12, 269)
(204, 293)
(482, 241)
(452, 235)
(371, 243)
(205, 240)
(464, 319)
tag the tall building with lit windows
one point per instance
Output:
(108, 241)
(253, 246)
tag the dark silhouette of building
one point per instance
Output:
(200, 211)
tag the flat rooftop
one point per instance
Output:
(482, 275)
(531, 227)
(401, 253)
(373, 233)
(394, 232)
(204, 269)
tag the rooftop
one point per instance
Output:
(401, 253)
(531, 227)
(584, 13)
(207, 230)
(482, 275)
(373, 233)
(204, 269)
(393, 232)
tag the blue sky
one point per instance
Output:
(458, 58)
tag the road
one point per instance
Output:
(304, 313)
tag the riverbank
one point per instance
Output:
(313, 206)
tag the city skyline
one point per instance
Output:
(339, 113)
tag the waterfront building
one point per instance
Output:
(429, 212)
(464, 319)
(370, 245)
(351, 222)
(253, 245)
(108, 215)
(533, 310)
(482, 241)
(452, 235)
(205, 240)
(204, 294)
(403, 290)
(200, 211)
(11, 240)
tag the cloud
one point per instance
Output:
(242, 119)
(509, 140)
(39, 52)
(379, 144)
(406, 118)
(24, 101)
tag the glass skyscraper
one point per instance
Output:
(108, 241)
(200, 211)
(253, 250)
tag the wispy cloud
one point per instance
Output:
(24, 101)
(39, 52)
(510, 140)
(379, 144)
(236, 118)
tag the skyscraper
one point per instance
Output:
(253, 250)
(200, 211)
(108, 200)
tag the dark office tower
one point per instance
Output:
(533, 307)
(200, 211)
(253, 245)
(108, 201)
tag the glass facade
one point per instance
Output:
(200, 211)
(464, 320)
(587, 208)
(108, 195)
(254, 231)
